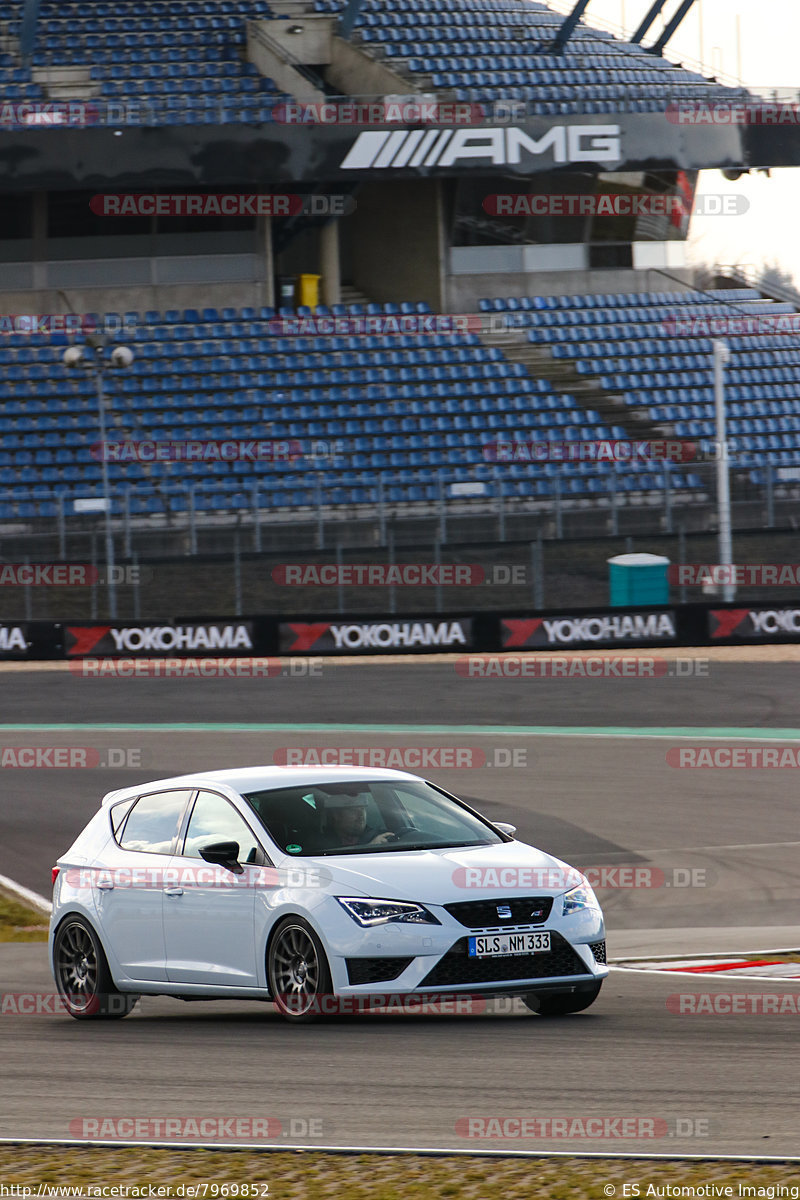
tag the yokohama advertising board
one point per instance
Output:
(760, 623)
(148, 640)
(14, 640)
(395, 636)
(615, 628)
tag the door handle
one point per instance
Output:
(173, 891)
(105, 883)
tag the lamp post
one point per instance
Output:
(721, 357)
(121, 357)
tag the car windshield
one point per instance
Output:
(366, 817)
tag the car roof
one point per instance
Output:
(257, 779)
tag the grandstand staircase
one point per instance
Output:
(611, 406)
(351, 295)
(566, 380)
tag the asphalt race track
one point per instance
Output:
(717, 852)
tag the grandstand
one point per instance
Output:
(191, 96)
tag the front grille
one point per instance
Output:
(598, 949)
(482, 914)
(375, 970)
(457, 967)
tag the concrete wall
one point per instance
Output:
(354, 73)
(271, 64)
(121, 300)
(399, 251)
(464, 291)
(313, 45)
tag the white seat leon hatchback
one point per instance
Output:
(323, 890)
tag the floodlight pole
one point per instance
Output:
(721, 356)
(101, 412)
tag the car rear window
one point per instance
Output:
(153, 822)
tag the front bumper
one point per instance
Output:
(398, 958)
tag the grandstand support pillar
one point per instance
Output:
(349, 18)
(265, 243)
(648, 21)
(568, 26)
(670, 28)
(39, 238)
(329, 267)
(721, 356)
(28, 29)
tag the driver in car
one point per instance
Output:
(346, 818)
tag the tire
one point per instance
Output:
(563, 1004)
(297, 970)
(82, 976)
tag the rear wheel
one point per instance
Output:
(297, 970)
(562, 1004)
(82, 976)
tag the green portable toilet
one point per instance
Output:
(638, 579)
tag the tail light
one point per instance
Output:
(54, 875)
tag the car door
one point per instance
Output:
(129, 888)
(209, 913)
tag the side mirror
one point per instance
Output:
(504, 827)
(223, 854)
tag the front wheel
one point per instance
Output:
(297, 970)
(82, 976)
(561, 1005)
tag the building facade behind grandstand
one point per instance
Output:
(394, 275)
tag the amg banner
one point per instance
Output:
(759, 623)
(347, 147)
(376, 637)
(616, 628)
(151, 640)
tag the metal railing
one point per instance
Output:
(609, 497)
(565, 7)
(750, 275)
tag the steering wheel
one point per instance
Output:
(404, 831)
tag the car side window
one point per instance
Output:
(214, 819)
(154, 821)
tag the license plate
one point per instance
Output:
(500, 945)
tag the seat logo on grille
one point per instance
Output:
(504, 911)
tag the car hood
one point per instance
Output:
(444, 876)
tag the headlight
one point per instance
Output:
(577, 898)
(381, 912)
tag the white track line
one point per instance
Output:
(428, 1152)
(26, 894)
